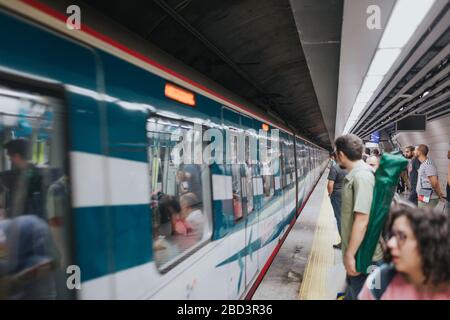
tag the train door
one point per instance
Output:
(46, 126)
(249, 208)
(233, 169)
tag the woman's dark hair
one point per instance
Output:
(432, 231)
(167, 206)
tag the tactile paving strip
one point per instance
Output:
(321, 260)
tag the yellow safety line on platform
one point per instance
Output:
(321, 257)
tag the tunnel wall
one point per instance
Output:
(437, 138)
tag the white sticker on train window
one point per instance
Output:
(277, 183)
(244, 188)
(257, 186)
(222, 187)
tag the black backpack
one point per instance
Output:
(385, 273)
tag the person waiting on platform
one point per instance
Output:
(376, 153)
(428, 189)
(418, 246)
(448, 182)
(335, 179)
(374, 162)
(413, 167)
(357, 195)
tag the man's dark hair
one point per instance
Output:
(410, 148)
(350, 145)
(367, 151)
(423, 149)
(18, 146)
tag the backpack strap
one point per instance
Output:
(379, 280)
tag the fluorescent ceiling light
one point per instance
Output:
(363, 97)
(403, 22)
(358, 107)
(383, 61)
(371, 83)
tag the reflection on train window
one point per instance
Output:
(250, 155)
(178, 219)
(34, 193)
(289, 163)
(267, 168)
(238, 192)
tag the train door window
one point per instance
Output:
(179, 220)
(249, 171)
(267, 166)
(238, 188)
(34, 194)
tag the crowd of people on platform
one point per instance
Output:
(412, 257)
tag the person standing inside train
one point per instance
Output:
(335, 179)
(428, 189)
(357, 196)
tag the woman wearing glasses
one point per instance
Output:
(418, 256)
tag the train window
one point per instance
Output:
(267, 166)
(34, 196)
(238, 189)
(179, 218)
(250, 158)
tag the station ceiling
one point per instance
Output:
(281, 55)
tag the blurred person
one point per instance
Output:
(169, 206)
(334, 186)
(376, 153)
(24, 181)
(366, 154)
(332, 160)
(448, 180)
(417, 256)
(192, 213)
(57, 203)
(357, 195)
(373, 162)
(413, 167)
(28, 259)
(428, 189)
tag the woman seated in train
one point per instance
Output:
(169, 206)
(191, 211)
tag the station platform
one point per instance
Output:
(307, 267)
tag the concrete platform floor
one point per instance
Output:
(307, 267)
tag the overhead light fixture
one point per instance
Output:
(403, 22)
(363, 97)
(371, 83)
(383, 61)
(406, 16)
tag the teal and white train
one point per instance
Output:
(99, 111)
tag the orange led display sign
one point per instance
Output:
(179, 94)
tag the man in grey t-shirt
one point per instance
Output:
(334, 187)
(428, 188)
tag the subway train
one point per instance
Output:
(98, 117)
